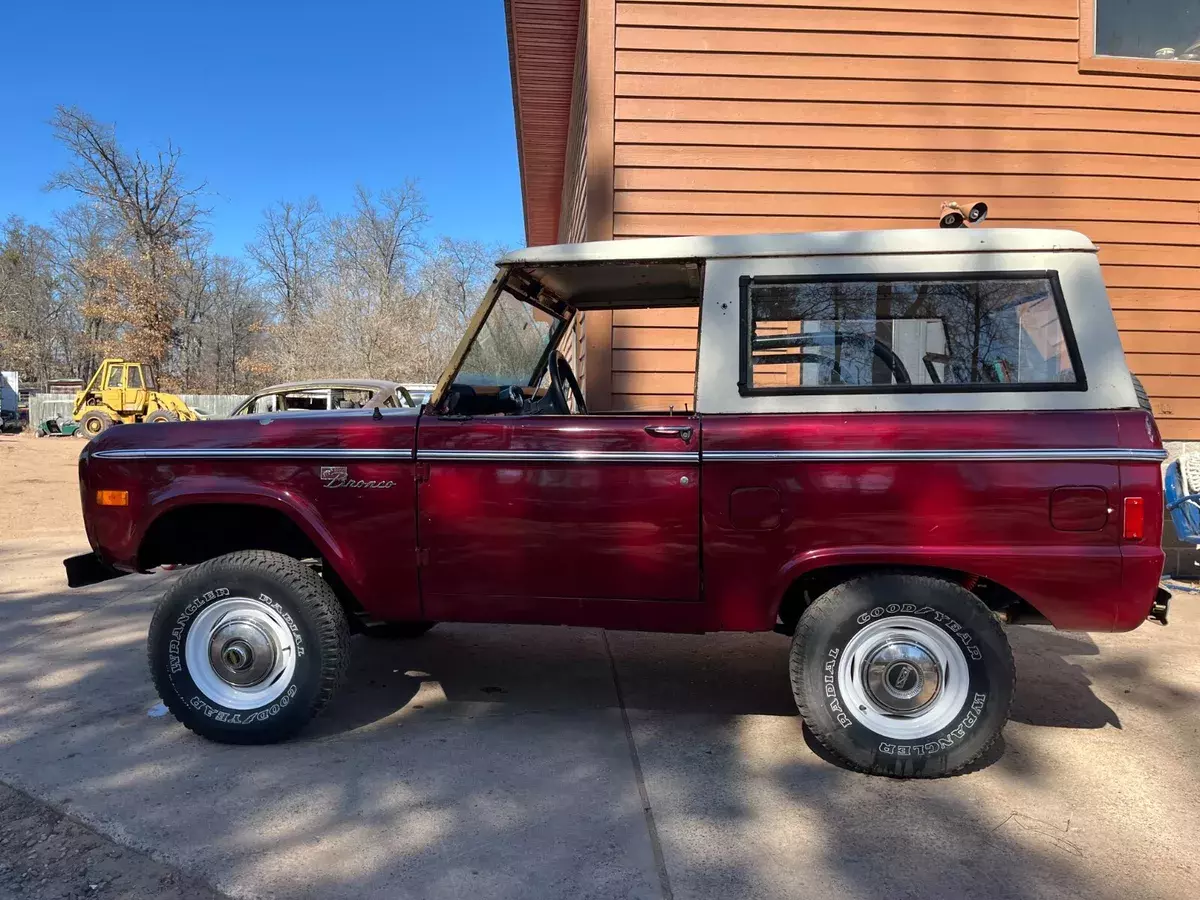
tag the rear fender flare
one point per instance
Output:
(962, 560)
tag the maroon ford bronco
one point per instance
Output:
(889, 445)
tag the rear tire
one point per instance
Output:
(248, 647)
(95, 423)
(161, 415)
(903, 675)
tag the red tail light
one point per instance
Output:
(1134, 528)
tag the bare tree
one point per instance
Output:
(148, 195)
(128, 270)
(287, 251)
(382, 237)
(234, 327)
(83, 233)
(31, 306)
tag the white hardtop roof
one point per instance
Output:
(813, 243)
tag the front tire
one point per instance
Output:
(248, 647)
(162, 415)
(902, 675)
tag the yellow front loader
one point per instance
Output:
(124, 392)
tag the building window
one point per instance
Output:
(1140, 37)
(1148, 29)
(906, 334)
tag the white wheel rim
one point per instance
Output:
(240, 653)
(903, 677)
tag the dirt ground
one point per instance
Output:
(40, 491)
(44, 854)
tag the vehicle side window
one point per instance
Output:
(114, 377)
(133, 378)
(263, 404)
(906, 333)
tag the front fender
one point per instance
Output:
(199, 490)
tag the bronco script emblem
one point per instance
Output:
(337, 477)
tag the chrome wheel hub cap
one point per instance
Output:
(240, 653)
(903, 677)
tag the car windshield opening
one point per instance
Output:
(511, 344)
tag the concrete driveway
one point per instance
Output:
(509, 762)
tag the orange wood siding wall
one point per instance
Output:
(788, 115)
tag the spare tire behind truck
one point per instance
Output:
(1143, 397)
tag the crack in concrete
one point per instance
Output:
(660, 862)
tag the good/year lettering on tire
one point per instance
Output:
(905, 675)
(246, 648)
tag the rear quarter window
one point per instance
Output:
(906, 333)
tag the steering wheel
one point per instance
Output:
(561, 380)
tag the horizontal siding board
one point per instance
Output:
(899, 183)
(1150, 298)
(865, 21)
(765, 203)
(1177, 429)
(903, 115)
(1172, 407)
(663, 318)
(647, 225)
(1149, 255)
(634, 402)
(1176, 321)
(1062, 9)
(1172, 386)
(914, 163)
(654, 360)
(1152, 342)
(653, 382)
(835, 43)
(860, 63)
(1145, 364)
(938, 134)
(1167, 280)
(923, 91)
(642, 338)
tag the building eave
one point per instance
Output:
(542, 41)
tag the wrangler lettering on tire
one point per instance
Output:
(248, 647)
(904, 675)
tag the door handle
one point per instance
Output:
(683, 432)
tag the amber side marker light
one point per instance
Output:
(1135, 519)
(112, 498)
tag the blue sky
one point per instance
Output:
(274, 99)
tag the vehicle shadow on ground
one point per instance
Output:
(735, 674)
(492, 761)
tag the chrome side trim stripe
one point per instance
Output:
(245, 453)
(540, 456)
(1114, 454)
